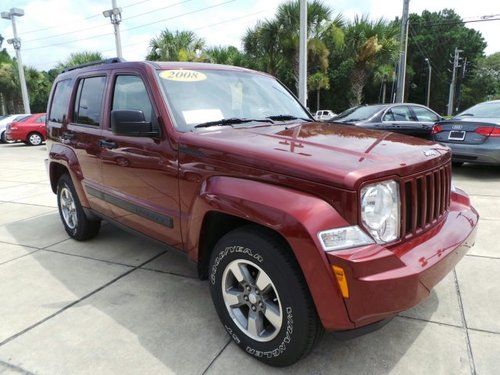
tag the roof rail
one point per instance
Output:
(92, 63)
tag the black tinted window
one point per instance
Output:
(130, 93)
(400, 113)
(60, 101)
(88, 104)
(423, 114)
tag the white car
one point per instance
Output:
(6, 121)
(324, 115)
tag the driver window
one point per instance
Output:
(401, 113)
(130, 93)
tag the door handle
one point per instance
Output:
(107, 144)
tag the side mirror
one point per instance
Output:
(131, 123)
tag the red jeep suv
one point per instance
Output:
(298, 226)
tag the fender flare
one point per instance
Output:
(60, 154)
(295, 215)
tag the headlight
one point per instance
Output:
(380, 210)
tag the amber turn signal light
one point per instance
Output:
(341, 280)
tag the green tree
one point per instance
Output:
(224, 55)
(79, 58)
(176, 46)
(435, 35)
(317, 82)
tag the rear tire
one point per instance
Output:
(35, 139)
(262, 298)
(75, 221)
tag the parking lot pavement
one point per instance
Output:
(120, 304)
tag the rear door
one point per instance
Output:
(83, 134)
(140, 174)
(401, 119)
(426, 119)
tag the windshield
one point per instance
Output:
(197, 97)
(485, 110)
(359, 113)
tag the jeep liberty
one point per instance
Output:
(298, 226)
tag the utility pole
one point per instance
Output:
(451, 98)
(115, 16)
(303, 53)
(400, 94)
(16, 43)
(428, 81)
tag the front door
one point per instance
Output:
(140, 173)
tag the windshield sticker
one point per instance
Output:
(197, 116)
(183, 75)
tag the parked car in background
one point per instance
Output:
(324, 115)
(7, 120)
(473, 135)
(30, 130)
(409, 119)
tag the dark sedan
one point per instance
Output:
(473, 135)
(410, 119)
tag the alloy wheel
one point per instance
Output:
(68, 208)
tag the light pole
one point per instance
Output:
(429, 81)
(115, 15)
(400, 93)
(16, 43)
(303, 53)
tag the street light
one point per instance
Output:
(429, 81)
(115, 16)
(16, 43)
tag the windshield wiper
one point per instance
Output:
(230, 121)
(287, 118)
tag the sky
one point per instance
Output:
(52, 29)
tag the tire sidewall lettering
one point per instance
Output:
(232, 250)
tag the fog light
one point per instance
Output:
(341, 280)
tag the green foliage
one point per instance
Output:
(175, 46)
(80, 58)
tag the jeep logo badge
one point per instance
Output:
(430, 153)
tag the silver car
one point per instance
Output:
(473, 135)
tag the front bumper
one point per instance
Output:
(485, 153)
(384, 281)
(14, 135)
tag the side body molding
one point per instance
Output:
(297, 216)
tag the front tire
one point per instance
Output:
(3, 138)
(75, 221)
(261, 296)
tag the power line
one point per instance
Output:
(106, 24)
(131, 28)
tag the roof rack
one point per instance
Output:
(92, 63)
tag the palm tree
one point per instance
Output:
(224, 55)
(367, 44)
(79, 58)
(317, 82)
(176, 46)
(274, 44)
(383, 74)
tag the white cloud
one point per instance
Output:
(95, 33)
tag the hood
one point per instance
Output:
(339, 155)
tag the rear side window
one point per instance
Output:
(423, 114)
(60, 101)
(88, 104)
(130, 93)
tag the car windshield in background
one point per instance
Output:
(200, 96)
(359, 114)
(483, 110)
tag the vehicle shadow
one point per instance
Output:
(149, 321)
(474, 171)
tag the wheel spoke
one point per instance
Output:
(240, 272)
(272, 314)
(232, 297)
(255, 324)
(262, 281)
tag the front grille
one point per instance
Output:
(425, 198)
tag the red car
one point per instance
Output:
(298, 226)
(30, 130)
